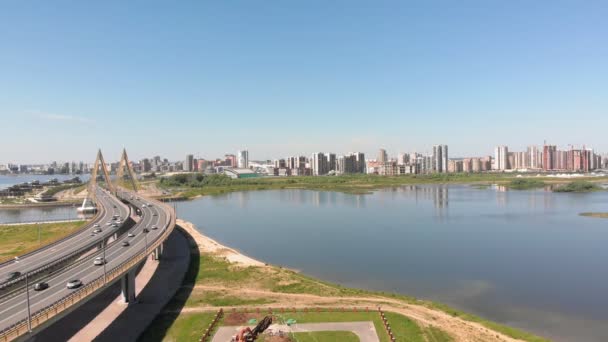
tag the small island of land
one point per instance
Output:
(191, 185)
(598, 215)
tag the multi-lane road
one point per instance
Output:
(155, 218)
(37, 260)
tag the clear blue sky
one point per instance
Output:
(291, 77)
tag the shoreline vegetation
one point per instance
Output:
(189, 186)
(222, 277)
(578, 186)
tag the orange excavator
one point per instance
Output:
(249, 335)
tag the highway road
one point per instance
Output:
(38, 259)
(14, 309)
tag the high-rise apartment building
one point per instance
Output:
(501, 158)
(549, 156)
(361, 164)
(382, 156)
(231, 160)
(331, 161)
(440, 158)
(189, 164)
(243, 159)
(444, 158)
(534, 155)
(318, 164)
(346, 164)
(437, 160)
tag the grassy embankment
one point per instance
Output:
(52, 191)
(16, 240)
(192, 185)
(218, 283)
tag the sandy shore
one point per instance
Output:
(208, 245)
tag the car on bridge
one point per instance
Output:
(130, 234)
(41, 286)
(126, 244)
(12, 276)
(74, 284)
(99, 261)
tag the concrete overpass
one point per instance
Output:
(24, 312)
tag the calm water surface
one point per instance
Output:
(523, 258)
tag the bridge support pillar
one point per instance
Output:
(127, 283)
(158, 252)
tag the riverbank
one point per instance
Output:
(228, 279)
(189, 186)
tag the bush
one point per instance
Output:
(525, 183)
(578, 186)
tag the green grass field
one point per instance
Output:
(16, 240)
(188, 327)
(324, 336)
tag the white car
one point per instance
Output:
(96, 225)
(99, 261)
(130, 234)
(74, 284)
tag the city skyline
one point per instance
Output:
(217, 76)
(390, 154)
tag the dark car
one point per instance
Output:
(146, 230)
(41, 286)
(12, 276)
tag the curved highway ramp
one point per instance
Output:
(24, 311)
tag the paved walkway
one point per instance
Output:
(106, 318)
(364, 330)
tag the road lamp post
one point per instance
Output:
(104, 264)
(27, 296)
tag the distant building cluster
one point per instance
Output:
(411, 163)
(68, 168)
(547, 159)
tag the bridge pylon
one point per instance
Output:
(99, 161)
(126, 164)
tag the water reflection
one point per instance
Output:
(40, 214)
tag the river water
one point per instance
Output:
(523, 258)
